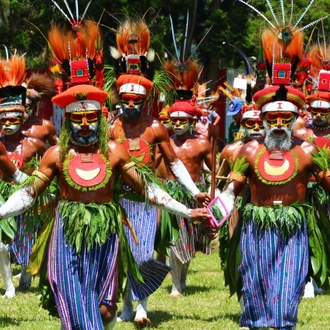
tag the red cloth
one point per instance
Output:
(268, 95)
(79, 93)
(185, 106)
(134, 79)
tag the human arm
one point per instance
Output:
(8, 167)
(178, 169)
(52, 138)
(23, 199)
(158, 196)
(215, 118)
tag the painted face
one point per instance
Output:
(167, 122)
(28, 111)
(279, 119)
(320, 116)
(84, 126)
(278, 129)
(132, 105)
(11, 123)
(254, 128)
(180, 125)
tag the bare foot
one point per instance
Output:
(143, 322)
(175, 294)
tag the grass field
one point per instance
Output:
(204, 305)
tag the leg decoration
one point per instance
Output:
(25, 279)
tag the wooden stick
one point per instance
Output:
(213, 132)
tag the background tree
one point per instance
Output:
(24, 23)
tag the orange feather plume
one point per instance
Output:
(56, 42)
(91, 37)
(12, 72)
(183, 75)
(133, 30)
(275, 49)
(64, 43)
(320, 61)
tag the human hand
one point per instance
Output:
(199, 215)
(210, 231)
(202, 199)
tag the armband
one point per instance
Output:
(127, 166)
(323, 174)
(41, 176)
(237, 177)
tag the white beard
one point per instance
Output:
(273, 142)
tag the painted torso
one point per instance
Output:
(263, 193)
(192, 151)
(139, 138)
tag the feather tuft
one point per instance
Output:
(42, 83)
(115, 53)
(150, 55)
(12, 72)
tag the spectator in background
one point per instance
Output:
(212, 116)
(235, 131)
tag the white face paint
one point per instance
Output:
(254, 128)
(180, 125)
(11, 122)
(84, 127)
(28, 112)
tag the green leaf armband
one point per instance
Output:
(237, 177)
(240, 166)
(321, 158)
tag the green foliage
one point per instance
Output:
(286, 218)
(240, 165)
(22, 24)
(322, 158)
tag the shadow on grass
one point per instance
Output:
(7, 321)
(191, 289)
(30, 290)
(158, 317)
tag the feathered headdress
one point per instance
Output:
(12, 71)
(202, 99)
(12, 75)
(283, 42)
(184, 71)
(39, 85)
(77, 54)
(132, 54)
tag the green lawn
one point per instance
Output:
(205, 305)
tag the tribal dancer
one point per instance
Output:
(274, 235)
(140, 134)
(194, 150)
(229, 232)
(88, 248)
(38, 86)
(20, 150)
